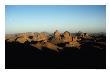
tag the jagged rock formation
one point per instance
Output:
(71, 41)
(22, 38)
(57, 35)
(67, 37)
(29, 36)
(85, 36)
(32, 36)
(57, 39)
(42, 37)
(68, 50)
(73, 44)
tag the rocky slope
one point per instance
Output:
(57, 50)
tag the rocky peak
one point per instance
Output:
(67, 37)
(57, 35)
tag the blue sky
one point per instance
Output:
(48, 18)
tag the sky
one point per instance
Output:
(48, 18)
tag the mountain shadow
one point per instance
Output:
(25, 56)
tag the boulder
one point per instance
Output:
(67, 37)
(22, 38)
(73, 44)
(51, 46)
(42, 37)
(57, 35)
(57, 38)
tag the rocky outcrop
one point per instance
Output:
(73, 44)
(71, 41)
(57, 39)
(51, 46)
(10, 38)
(85, 36)
(57, 35)
(42, 37)
(22, 38)
(67, 37)
(31, 36)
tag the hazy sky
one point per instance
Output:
(48, 18)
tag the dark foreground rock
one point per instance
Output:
(58, 50)
(21, 56)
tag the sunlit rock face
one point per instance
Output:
(67, 37)
(71, 41)
(74, 39)
(42, 37)
(32, 36)
(57, 35)
(22, 38)
(73, 44)
(51, 46)
(57, 39)
(10, 37)
(47, 45)
(28, 36)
